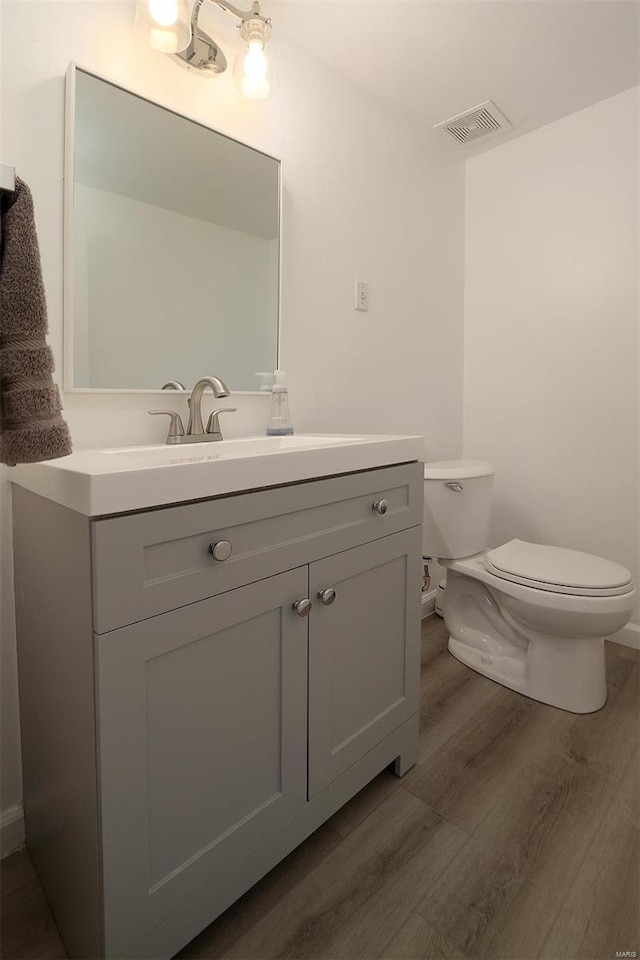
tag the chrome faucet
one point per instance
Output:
(195, 427)
(195, 432)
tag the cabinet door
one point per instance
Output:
(364, 651)
(202, 740)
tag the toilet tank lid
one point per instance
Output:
(457, 469)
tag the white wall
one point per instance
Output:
(11, 825)
(128, 289)
(551, 327)
(366, 195)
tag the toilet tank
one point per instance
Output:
(457, 507)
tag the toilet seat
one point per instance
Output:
(557, 570)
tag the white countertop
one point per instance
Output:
(99, 482)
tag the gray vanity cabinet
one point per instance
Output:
(362, 652)
(183, 727)
(203, 744)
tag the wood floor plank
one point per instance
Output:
(251, 908)
(537, 835)
(627, 802)
(627, 653)
(342, 908)
(601, 915)
(365, 802)
(417, 939)
(450, 693)
(468, 774)
(28, 929)
(607, 739)
(418, 863)
(434, 640)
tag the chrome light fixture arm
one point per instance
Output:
(237, 12)
(189, 53)
(203, 53)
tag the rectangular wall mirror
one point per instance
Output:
(172, 247)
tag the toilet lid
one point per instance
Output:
(557, 569)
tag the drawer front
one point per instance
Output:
(147, 563)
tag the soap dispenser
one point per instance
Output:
(267, 381)
(279, 424)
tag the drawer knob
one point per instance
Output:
(327, 596)
(221, 550)
(380, 506)
(302, 607)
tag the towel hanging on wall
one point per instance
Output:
(31, 425)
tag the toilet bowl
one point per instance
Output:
(529, 616)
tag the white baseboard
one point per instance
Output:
(11, 830)
(428, 603)
(629, 636)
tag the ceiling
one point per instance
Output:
(431, 59)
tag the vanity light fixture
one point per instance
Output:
(164, 22)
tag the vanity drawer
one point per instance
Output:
(151, 562)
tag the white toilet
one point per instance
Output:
(531, 617)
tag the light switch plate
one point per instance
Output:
(362, 296)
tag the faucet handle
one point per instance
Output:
(176, 426)
(213, 423)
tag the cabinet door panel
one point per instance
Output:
(202, 733)
(364, 651)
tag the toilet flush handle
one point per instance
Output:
(457, 487)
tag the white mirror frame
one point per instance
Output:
(68, 279)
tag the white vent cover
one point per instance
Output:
(481, 121)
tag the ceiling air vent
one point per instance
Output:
(481, 121)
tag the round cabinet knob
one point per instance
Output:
(221, 550)
(302, 607)
(380, 506)
(327, 596)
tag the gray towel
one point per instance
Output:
(31, 425)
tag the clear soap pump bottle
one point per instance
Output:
(279, 424)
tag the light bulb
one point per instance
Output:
(163, 12)
(254, 72)
(166, 24)
(162, 40)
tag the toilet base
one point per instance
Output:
(519, 675)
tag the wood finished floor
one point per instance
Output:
(516, 836)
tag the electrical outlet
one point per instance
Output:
(362, 296)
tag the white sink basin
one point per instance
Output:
(177, 454)
(116, 480)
